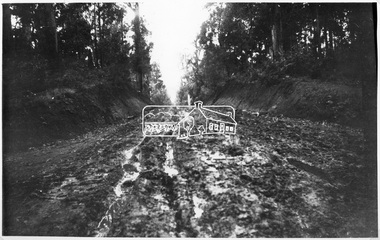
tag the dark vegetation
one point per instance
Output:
(249, 42)
(256, 54)
(68, 68)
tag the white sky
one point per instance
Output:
(174, 26)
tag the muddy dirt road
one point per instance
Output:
(278, 177)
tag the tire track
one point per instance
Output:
(131, 173)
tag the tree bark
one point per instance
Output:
(277, 46)
(331, 37)
(325, 35)
(51, 33)
(138, 47)
(317, 33)
(95, 51)
(7, 29)
(100, 52)
(366, 52)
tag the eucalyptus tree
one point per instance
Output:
(141, 56)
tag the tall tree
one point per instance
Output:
(100, 33)
(364, 47)
(158, 93)
(7, 29)
(238, 37)
(317, 31)
(277, 44)
(95, 37)
(141, 57)
(25, 26)
(51, 39)
(75, 31)
(137, 41)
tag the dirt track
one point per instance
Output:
(59, 189)
(279, 177)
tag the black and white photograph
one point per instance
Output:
(189, 119)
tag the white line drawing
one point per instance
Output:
(182, 121)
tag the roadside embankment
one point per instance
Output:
(296, 97)
(62, 113)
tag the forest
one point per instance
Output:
(299, 160)
(266, 43)
(91, 38)
(253, 41)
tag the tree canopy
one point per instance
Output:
(269, 42)
(243, 41)
(97, 34)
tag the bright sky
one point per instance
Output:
(174, 26)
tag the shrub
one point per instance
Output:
(25, 73)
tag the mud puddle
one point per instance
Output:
(152, 193)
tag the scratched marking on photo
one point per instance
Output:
(183, 122)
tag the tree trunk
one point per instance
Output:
(138, 47)
(100, 52)
(366, 52)
(277, 33)
(122, 32)
(317, 32)
(331, 40)
(140, 77)
(51, 32)
(90, 60)
(325, 35)
(95, 39)
(7, 30)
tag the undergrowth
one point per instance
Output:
(25, 75)
(301, 63)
